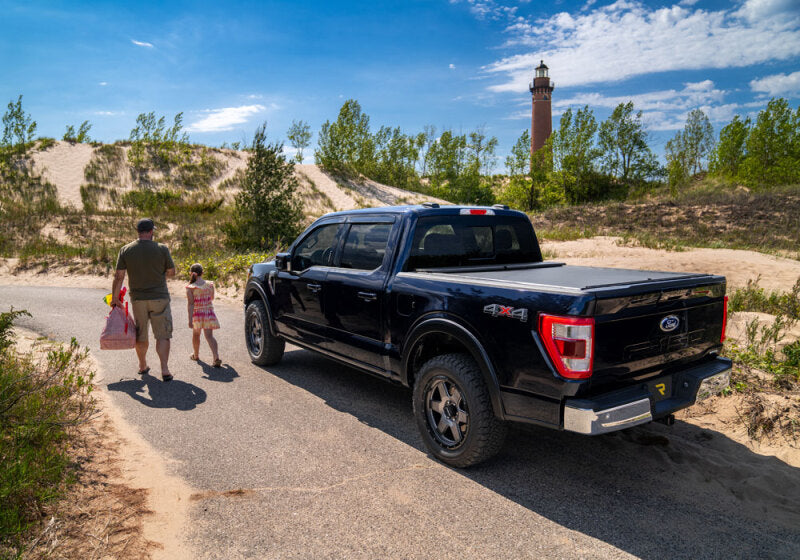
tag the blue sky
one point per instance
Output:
(454, 64)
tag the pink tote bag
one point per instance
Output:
(120, 330)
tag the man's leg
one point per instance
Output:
(162, 349)
(141, 316)
(141, 353)
(161, 319)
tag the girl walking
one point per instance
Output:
(200, 296)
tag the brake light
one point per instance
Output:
(724, 318)
(569, 342)
(476, 212)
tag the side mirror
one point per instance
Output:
(283, 261)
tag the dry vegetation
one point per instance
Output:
(709, 215)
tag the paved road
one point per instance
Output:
(329, 464)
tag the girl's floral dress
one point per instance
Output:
(203, 316)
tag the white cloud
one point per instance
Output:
(226, 118)
(109, 113)
(754, 10)
(626, 39)
(488, 9)
(452, 66)
(103, 84)
(778, 84)
(142, 44)
(255, 96)
(693, 94)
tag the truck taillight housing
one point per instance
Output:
(569, 342)
(724, 318)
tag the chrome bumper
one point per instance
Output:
(593, 422)
(631, 407)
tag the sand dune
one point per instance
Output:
(63, 165)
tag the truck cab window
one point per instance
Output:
(316, 249)
(365, 246)
(453, 241)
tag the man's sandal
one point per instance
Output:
(167, 377)
(145, 371)
(194, 358)
(217, 363)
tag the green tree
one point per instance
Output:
(267, 210)
(518, 192)
(18, 130)
(81, 137)
(153, 144)
(299, 136)
(773, 147)
(454, 173)
(482, 149)
(625, 154)
(575, 153)
(677, 158)
(395, 158)
(425, 140)
(698, 140)
(346, 145)
(727, 156)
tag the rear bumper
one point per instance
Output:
(637, 405)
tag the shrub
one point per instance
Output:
(40, 402)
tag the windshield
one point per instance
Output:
(448, 241)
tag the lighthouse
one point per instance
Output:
(541, 115)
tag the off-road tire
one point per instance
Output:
(264, 348)
(483, 434)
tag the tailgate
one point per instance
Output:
(641, 335)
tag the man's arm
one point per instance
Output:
(170, 273)
(119, 278)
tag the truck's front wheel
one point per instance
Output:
(264, 348)
(453, 411)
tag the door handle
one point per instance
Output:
(314, 287)
(368, 296)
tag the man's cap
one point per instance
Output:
(144, 225)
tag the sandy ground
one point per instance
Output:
(776, 273)
(63, 165)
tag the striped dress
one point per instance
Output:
(203, 316)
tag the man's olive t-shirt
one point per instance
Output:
(147, 263)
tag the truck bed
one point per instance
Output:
(558, 276)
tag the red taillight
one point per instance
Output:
(569, 342)
(724, 318)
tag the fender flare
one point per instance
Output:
(444, 325)
(256, 289)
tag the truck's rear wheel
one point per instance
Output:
(453, 411)
(264, 348)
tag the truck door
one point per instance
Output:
(299, 295)
(356, 291)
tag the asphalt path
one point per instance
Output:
(312, 459)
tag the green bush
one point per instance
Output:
(150, 201)
(40, 402)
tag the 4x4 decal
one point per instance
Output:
(496, 310)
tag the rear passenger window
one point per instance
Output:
(365, 246)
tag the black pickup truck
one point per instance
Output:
(457, 303)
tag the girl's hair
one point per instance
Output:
(196, 270)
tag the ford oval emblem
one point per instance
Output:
(670, 323)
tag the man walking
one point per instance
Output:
(148, 265)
